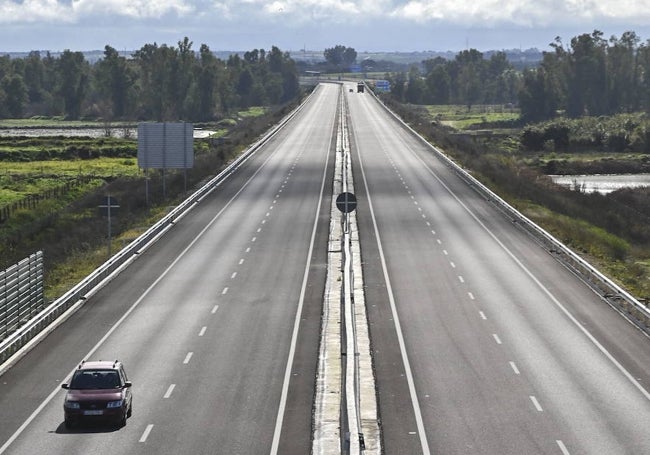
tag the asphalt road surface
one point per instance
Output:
(206, 321)
(482, 342)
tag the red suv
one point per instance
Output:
(98, 390)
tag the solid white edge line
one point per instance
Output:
(296, 324)
(400, 337)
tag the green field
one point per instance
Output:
(459, 117)
(18, 180)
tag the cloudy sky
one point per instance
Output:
(366, 25)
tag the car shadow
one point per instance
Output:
(87, 427)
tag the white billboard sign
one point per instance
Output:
(165, 145)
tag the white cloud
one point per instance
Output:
(138, 9)
(34, 11)
(528, 13)
(31, 11)
(478, 13)
(374, 24)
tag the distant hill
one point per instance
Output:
(516, 56)
(519, 58)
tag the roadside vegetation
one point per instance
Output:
(156, 83)
(612, 231)
(50, 187)
(582, 109)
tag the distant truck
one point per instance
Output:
(360, 87)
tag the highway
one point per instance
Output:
(206, 321)
(482, 342)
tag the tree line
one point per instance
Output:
(468, 79)
(158, 82)
(591, 76)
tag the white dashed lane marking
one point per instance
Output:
(563, 448)
(536, 403)
(145, 435)
(188, 357)
(169, 391)
(513, 365)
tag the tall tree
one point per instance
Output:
(622, 72)
(536, 97)
(470, 77)
(439, 84)
(587, 86)
(35, 77)
(115, 79)
(16, 94)
(72, 82)
(210, 69)
(340, 56)
(416, 88)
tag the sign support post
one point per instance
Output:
(109, 203)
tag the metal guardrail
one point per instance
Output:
(352, 434)
(75, 297)
(612, 293)
(21, 293)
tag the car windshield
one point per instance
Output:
(95, 379)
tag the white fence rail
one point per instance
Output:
(21, 293)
